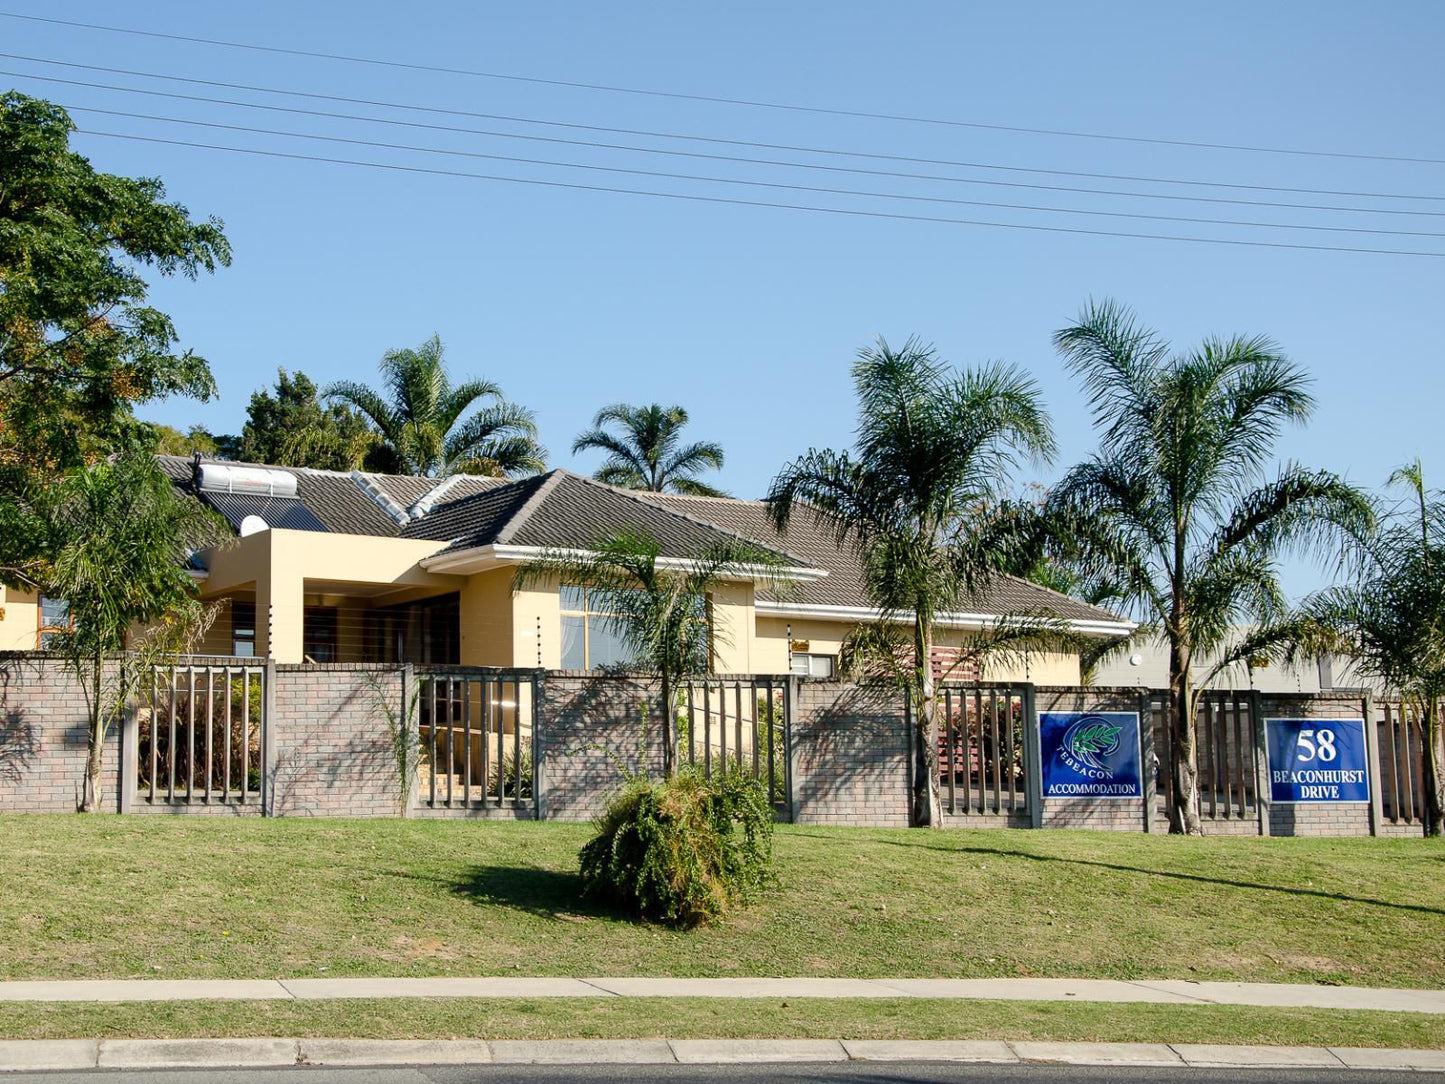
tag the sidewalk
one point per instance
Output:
(1159, 992)
(38, 1055)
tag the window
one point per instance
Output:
(54, 618)
(318, 634)
(818, 666)
(243, 629)
(590, 638)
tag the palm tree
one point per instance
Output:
(420, 424)
(658, 608)
(646, 453)
(934, 452)
(1174, 509)
(1390, 620)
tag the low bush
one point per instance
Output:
(682, 851)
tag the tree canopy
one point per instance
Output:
(293, 428)
(422, 424)
(645, 450)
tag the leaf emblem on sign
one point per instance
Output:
(1092, 738)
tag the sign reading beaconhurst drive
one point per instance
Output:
(1317, 760)
(1090, 754)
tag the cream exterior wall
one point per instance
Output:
(487, 636)
(536, 625)
(20, 627)
(734, 628)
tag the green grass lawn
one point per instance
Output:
(194, 897)
(704, 1018)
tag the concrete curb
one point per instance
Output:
(1148, 991)
(37, 1055)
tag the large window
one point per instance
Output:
(243, 629)
(590, 638)
(318, 637)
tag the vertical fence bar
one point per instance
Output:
(485, 739)
(190, 731)
(539, 749)
(994, 743)
(500, 703)
(1148, 777)
(757, 734)
(1033, 761)
(431, 682)
(155, 734)
(788, 706)
(1372, 763)
(467, 740)
(1166, 757)
(517, 741)
(1262, 791)
(738, 707)
(210, 719)
(451, 741)
(245, 733)
(950, 749)
(706, 729)
(692, 727)
(1239, 771)
(1389, 771)
(171, 746)
(772, 786)
(722, 724)
(226, 772)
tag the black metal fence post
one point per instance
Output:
(1033, 761)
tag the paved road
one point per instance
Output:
(847, 1073)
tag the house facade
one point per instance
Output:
(335, 567)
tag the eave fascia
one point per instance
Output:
(771, 608)
(484, 558)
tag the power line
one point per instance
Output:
(716, 100)
(797, 148)
(690, 197)
(755, 183)
(714, 157)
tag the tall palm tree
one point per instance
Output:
(419, 418)
(647, 453)
(1390, 619)
(934, 451)
(1175, 507)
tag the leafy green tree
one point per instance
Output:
(658, 608)
(118, 536)
(78, 343)
(171, 441)
(292, 428)
(646, 451)
(1390, 618)
(935, 451)
(420, 424)
(1175, 510)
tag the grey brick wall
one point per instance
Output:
(334, 755)
(591, 733)
(851, 753)
(44, 728)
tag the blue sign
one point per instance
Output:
(1317, 760)
(1090, 754)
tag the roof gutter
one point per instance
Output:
(771, 608)
(482, 558)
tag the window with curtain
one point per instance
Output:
(590, 638)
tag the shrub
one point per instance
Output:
(682, 851)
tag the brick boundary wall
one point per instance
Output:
(1324, 819)
(44, 737)
(1108, 814)
(851, 756)
(333, 750)
(591, 734)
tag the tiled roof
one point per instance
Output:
(814, 538)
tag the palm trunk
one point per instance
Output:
(90, 788)
(1183, 750)
(669, 728)
(1434, 785)
(927, 806)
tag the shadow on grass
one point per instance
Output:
(547, 893)
(1198, 878)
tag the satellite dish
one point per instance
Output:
(1134, 660)
(252, 524)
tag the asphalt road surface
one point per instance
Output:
(847, 1073)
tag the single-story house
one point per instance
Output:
(360, 567)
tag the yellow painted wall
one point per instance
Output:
(770, 649)
(486, 619)
(1044, 668)
(734, 628)
(536, 624)
(21, 623)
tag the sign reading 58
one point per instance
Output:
(1317, 760)
(1316, 745)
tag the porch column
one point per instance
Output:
(280, 608)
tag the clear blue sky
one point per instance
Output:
(750, 316)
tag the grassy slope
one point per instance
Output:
(215, 897)
(690, 1018)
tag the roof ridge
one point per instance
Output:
(635, 495)
(427, 501)
(1061, 594)
(518, 519)
(380, 497)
